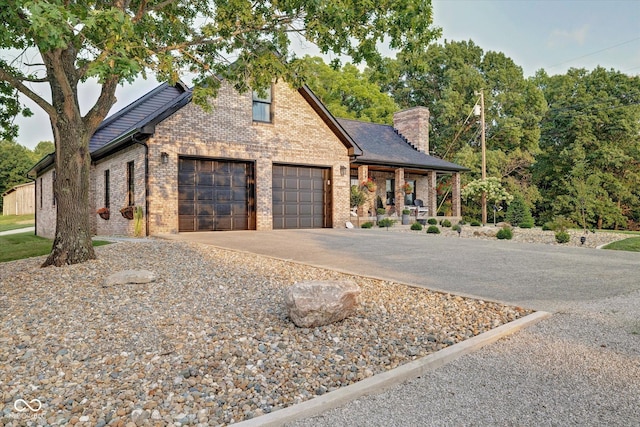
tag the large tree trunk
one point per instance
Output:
(72, 243)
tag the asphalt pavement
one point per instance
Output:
(538, 276)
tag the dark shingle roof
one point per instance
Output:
(150, 108)
(382, 145)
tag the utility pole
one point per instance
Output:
(484, 156)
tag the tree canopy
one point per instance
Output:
(590, 160)
(447, 79)
(347, 92)
(245, 43)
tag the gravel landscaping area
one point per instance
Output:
(529, 235)
(208, 343)
(581, 367)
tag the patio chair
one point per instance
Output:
(421, 210)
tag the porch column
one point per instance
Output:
(432, 198)
(363, 174)
(398, 191)
(455, 194)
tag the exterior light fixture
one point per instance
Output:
(343, 170)
(164, 157)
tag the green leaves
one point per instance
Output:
(590, 139)
(491, 186)
(346, 91)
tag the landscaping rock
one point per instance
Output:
(130, 276)
(319, 303)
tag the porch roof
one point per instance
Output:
(382, 145)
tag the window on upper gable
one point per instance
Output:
(262, 111)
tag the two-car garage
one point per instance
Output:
(220, 195)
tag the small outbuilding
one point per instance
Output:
(19, 200)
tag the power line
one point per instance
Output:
(595, 53)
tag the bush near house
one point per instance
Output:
(475, 223)
(505, 234)
(367, 224)
(445, 223)
(416, 226)
(562, 237)
(433, 229)
(386, 222)
(432, 221)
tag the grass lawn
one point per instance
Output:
(26, 245)
(631, 244)
(12, 222)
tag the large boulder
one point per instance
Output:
(318, 303)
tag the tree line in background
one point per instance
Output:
(567, 145)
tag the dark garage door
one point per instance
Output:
(301, 197)
(215, 195)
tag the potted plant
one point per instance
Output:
(405, 216)
(380, 213)
(104, 213)
(370, 185)
(407, 188)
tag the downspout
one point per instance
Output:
(146, 183)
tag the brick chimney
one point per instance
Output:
(413, 124)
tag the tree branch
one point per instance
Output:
(17, 83)
(34, 80)
(105, 101)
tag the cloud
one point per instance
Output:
(564, 37)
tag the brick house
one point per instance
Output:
(251, 163)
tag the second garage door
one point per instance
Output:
(301, 197)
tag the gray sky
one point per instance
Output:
(552, 34)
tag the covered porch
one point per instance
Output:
(390, 191)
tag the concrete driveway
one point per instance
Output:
(538, 276)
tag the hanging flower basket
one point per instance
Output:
(369, 185)
(407, 188)
(104, 213)
(127, 212)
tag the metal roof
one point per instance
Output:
(151, 108)
(383, 145)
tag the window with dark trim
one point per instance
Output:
(41, 193)
(262, 111)
(107, 185)
(130, 184)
